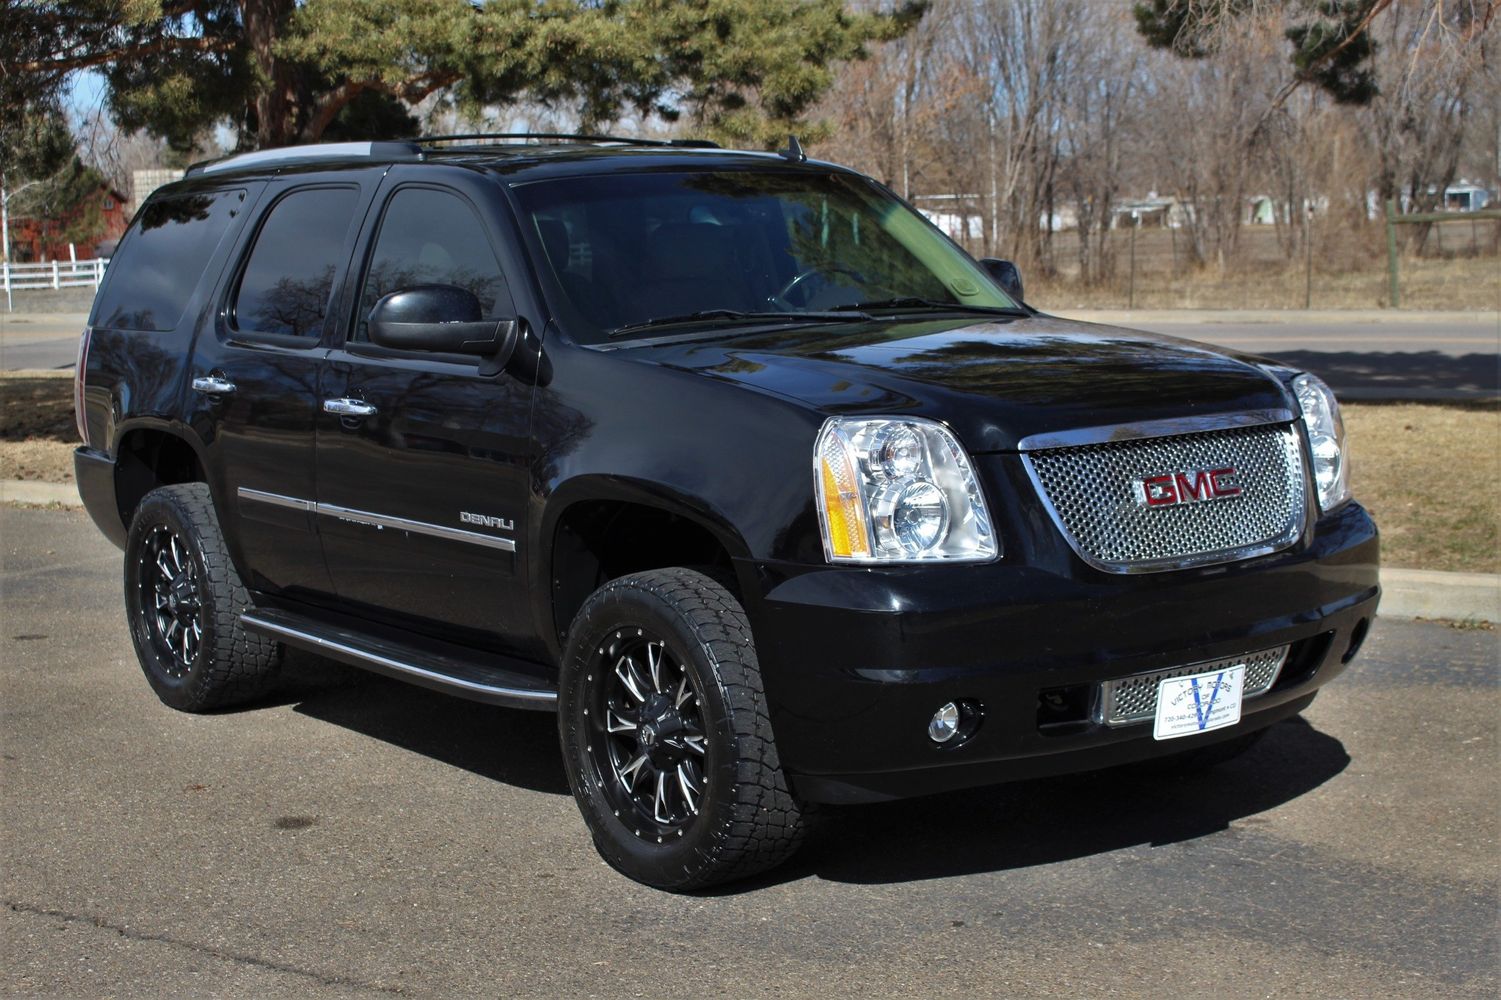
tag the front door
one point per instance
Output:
(423, 462)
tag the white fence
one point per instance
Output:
(53, 274)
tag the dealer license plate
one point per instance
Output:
(1197, 704)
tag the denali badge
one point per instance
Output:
(485, 520)
(1172, 488)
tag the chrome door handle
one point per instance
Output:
(213, 385)
(347, 407)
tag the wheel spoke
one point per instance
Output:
(161, 565)
(690, 793)
(659, 799)
(631, 772)
(625, 669)
(618, 723)
(684, 692)
(695, 742)
(176, 552)
(654, 664)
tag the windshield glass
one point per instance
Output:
(623, 250)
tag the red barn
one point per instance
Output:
(34, 239)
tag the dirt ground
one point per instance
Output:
(1429, 474)
(37, 433)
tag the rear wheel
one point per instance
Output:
(665, 734)
(183, 600)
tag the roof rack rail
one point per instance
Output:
(571, 137)
(289, 155)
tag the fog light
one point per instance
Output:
(945, 724)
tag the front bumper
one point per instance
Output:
(855, 661)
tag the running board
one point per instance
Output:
(496, 680)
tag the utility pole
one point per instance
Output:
(1308, 255)
(1131, 290)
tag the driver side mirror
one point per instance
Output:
(1005, 274)
(442, 319)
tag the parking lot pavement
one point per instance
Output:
(356, 837)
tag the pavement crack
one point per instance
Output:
(321, 978)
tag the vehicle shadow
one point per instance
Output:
(1046, 821)
(1401, 374)
(513, 746)
(1019, 825)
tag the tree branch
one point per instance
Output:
(1306, 73)
(68, 64)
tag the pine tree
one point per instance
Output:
(747, 70)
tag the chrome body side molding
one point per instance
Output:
(375, 520)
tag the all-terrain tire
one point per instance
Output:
(175, 553)
(747, 820)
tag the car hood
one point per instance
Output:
(994, 382)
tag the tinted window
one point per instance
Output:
(626, 248)
(289, 279)
(430, 237)
(161, 262)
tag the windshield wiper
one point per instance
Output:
(914, 302)
(742, 316)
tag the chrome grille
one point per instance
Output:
(1134, 699)
(1090, 491)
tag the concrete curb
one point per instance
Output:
(1425, 593)
(34, 494)
(1406, 593)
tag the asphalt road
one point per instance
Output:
(356, 837)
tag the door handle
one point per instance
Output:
(213, 385)
(347, 407)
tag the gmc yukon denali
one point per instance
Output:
(765, 487)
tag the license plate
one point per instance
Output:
(1199, 703)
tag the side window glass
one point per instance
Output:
(289, 278)
(430, 237)
(162, 260)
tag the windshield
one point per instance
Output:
(632, 253)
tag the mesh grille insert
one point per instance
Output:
(1134, 699)
(1093, 494)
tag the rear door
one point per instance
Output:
(254, 378)
(422, 491)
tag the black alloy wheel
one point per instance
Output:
(648, 744)
(171, 599)
(183, 601)
(667, 736)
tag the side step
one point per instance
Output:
(490, 678)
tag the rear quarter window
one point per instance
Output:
(162, 259)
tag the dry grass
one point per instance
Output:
(1351, 275)
(1430, 475)
(37, 434)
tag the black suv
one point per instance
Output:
(731, 459)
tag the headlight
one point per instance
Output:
(1326, 440)
(898, 490)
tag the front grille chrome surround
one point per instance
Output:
(1089, 492)
(1129, 700)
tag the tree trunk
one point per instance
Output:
(276, 108)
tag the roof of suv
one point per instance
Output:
(502, 153)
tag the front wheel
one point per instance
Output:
(665, 734)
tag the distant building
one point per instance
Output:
(40, 239)
(143, 182)
(1466, 197)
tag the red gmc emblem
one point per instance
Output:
(1171, 488)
